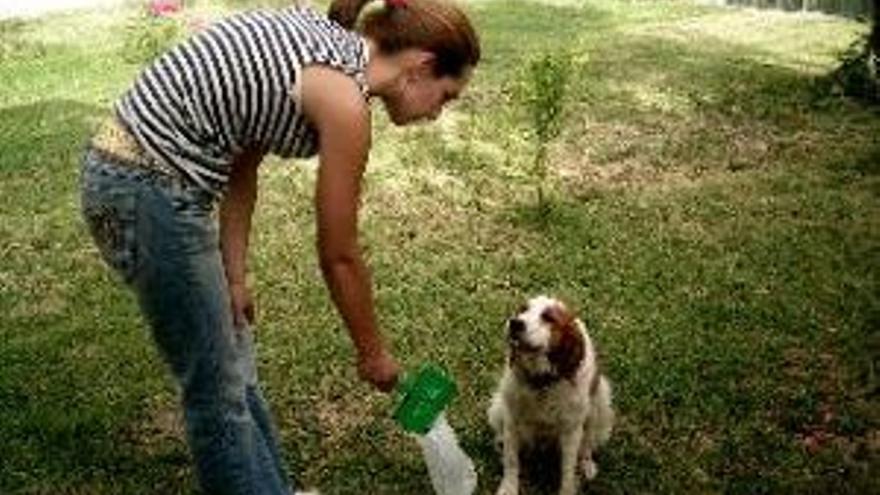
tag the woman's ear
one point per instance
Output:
(427, 63)
(419, 65)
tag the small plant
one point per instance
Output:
(541, 93)
(14, 43)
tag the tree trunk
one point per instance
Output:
(874, 39)
(873, 48)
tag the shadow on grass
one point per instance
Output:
(676, 105)
(70, 420)
(864, 165)
(510, 30)
(535, 23)
(43, 137)
(711, 77)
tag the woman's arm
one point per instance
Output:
(335, 106)
(236, 210)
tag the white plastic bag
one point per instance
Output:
(451, 470)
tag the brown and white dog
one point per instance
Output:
(551, 392)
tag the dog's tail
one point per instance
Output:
(602, 417)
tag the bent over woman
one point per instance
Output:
(169, 186)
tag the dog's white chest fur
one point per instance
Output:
(543, 413)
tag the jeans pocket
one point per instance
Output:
(108, 206)
(195, 220)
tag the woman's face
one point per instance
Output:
(420, 95)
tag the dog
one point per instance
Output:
(551, 393)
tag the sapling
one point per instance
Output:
(542, 91)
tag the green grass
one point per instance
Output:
(715, 222)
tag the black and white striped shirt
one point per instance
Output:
(234, 86)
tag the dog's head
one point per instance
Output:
(546, 341)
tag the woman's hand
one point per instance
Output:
(243, 312)
(236, 210)
(381, 370)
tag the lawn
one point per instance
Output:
(713, 218)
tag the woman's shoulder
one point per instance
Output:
(333, 45)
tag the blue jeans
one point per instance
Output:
(161, 236)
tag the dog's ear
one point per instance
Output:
(567, 344)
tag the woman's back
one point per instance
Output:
(232, 87)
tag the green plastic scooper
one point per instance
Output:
(422, 396)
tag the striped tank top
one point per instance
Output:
(232, 87)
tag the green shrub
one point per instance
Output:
(858, 75)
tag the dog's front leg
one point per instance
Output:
(510, 460)
(569, 445)
(585, 457)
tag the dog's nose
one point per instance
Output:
(516, 327)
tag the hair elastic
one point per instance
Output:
(396, 4)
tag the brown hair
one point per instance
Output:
(436, 26)
(567, 347)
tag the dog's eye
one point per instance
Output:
(548, 316)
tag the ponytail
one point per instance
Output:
(436, 26)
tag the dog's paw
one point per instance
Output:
(569, 484)
(589, 470)
(508, 487)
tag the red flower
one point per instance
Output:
(163, 8)
(396, 4)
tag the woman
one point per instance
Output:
(187, 139)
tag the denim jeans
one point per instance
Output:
(161, 236)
